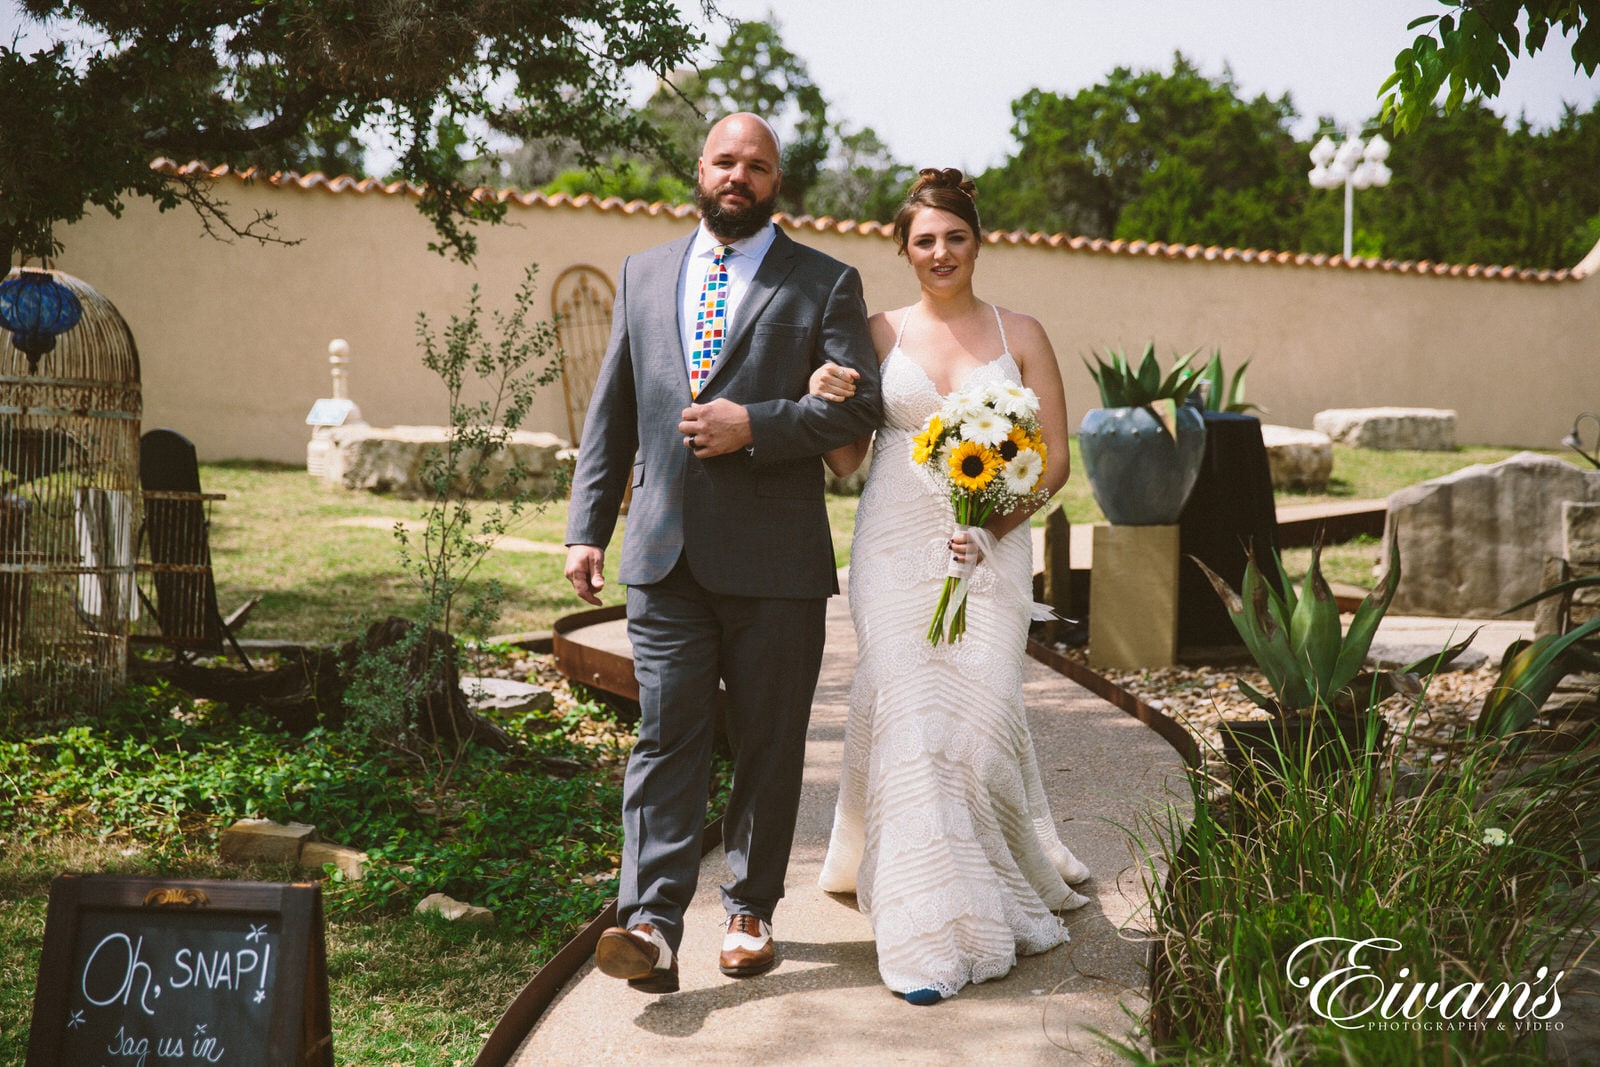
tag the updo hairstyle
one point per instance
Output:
(944, 190)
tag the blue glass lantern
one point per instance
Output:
(36, 309)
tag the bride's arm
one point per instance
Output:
(1041, 373)
(835, 383)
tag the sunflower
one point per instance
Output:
(973, 467)
(1016, 441)
(926, 441)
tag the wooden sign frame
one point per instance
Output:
(282, 922)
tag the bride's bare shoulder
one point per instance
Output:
(885, 327)
(1023, 332)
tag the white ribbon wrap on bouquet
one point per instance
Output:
(962, 572)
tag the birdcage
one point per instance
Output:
(69, 500)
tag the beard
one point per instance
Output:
(733, 224)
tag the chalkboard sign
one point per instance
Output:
(148, 971)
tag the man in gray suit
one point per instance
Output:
(702, 406)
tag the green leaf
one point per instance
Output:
(1167, 414)
(1149, 373)
(1257, 696)
(1437, 661)
(1314, 634)
(1257, 637)
(1559, 589)
(1527, 680)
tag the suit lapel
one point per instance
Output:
(775, 268)
(663, 308)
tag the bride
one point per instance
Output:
(942, 829)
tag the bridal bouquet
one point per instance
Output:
(985, 445)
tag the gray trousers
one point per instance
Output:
(767, 653)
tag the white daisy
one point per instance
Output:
(986, 428)
(1017, 401)
(961, 406)
(1023, 473)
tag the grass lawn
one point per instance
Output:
(323, 559)
(145, 800)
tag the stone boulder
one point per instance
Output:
(1474, 542)
(1422, 429)
(506, 696)
(454, 910)
(390, 459)
(1299, 459)
(1580, 525)
(352, 862)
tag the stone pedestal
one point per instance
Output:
(1133, 597)
(1580, 528)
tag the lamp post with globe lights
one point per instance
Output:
(1352, 164)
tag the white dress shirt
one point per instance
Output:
(742, 266)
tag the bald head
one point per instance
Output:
(738, 176)
(743, 127)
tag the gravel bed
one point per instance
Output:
(610, 740)
(1200, 697)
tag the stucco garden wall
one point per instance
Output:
(233, 337)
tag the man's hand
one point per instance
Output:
(715, 429)
(585, 564)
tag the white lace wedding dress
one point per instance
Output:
(942, 828)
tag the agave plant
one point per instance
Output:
(1124, 385)
(1531, 670)
(1311, 664)
(1217, 393)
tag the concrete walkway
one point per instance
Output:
(1107, 775)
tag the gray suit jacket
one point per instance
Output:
(751, 523)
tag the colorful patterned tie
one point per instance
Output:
(711, 321)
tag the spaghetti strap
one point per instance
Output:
(901, 332)
(1005, 346)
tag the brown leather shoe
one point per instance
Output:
(747, 948)
(639, 954)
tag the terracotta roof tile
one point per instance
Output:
(345, 183)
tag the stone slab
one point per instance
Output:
(1389, 428)
(264, 841)
(1299, 459)
(391, 459)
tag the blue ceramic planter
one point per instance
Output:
(1139, 474)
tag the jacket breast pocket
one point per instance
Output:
(789, 334)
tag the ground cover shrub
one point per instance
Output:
(148, 787)
(505, 833)
(1473, 873)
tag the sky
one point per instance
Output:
(935, 78)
